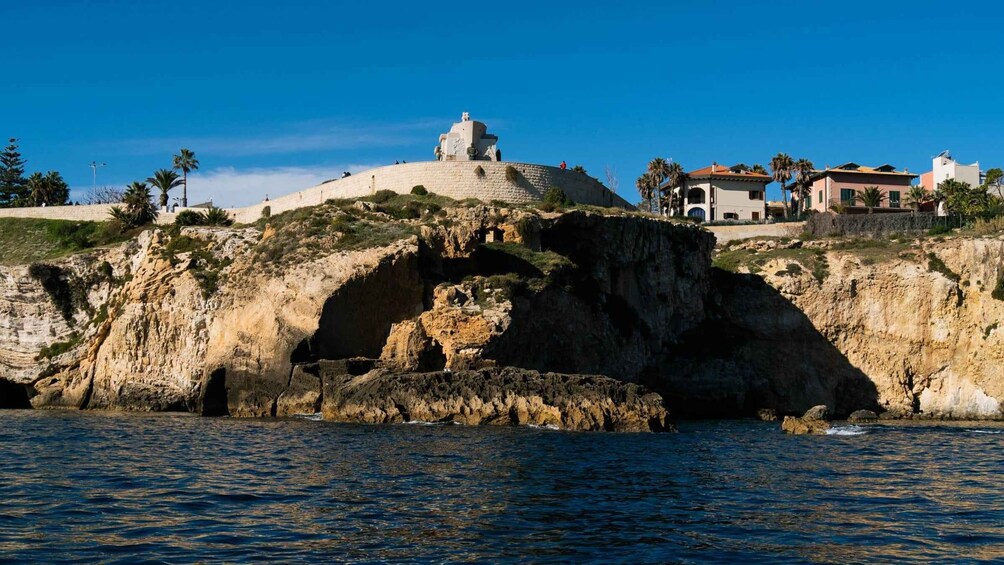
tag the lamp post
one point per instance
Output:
(94, 170)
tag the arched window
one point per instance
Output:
(695, 196)
(696, 213)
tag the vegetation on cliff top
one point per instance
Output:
(26, 240)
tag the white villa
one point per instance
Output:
(943, 167)
(718, 192)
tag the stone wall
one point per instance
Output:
(88, 213)
(455, 179)
(745, 231)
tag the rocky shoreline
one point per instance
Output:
(486, 315)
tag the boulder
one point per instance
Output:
(862, 416)
(820, 412)
(801, 426)
(767, 414)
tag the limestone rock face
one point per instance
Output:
(820, 412)
(494, 396)
(931, 346)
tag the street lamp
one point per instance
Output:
(94, 170)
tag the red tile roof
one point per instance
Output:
(721, 171)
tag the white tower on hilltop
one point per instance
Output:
(468, 140)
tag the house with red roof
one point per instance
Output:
(840, 186)
(718, 192)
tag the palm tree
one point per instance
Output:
(139, 208)
(916, 197)
(164, 180)
(782, 165)
(758, 169)
(803, 173)
(658, 170)
(644, 186)
(675, 177)
(185, 161)
(871, 196)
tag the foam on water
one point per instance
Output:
(315, 417)
(846, 431)
(994, 432)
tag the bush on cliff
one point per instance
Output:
(419, 190)
(189, 218)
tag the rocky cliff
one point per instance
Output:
(370, 312)
(908, 327)
(224, 321)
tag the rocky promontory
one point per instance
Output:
(498, 315)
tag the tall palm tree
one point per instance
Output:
(675, 177)
(658, 170)
(644, 186)
(185, 162)
(871, 197)
(164, 180)
(916, 197)
(781, 166)
(803, 172)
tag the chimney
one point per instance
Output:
(714, 165)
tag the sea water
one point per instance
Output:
(177, 488)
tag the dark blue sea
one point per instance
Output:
(96, 487)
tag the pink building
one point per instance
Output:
(837, 185)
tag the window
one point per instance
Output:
(847, 196)
(695, 196)
(756, 215)
(894, 199)
(696, 213)
(808, 201)
(756, 195)
(731, 216)
(819, 197)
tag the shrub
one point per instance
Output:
(998, 292)
(419, 190)
(556, 197)
(940, 229)
(382, 196)
(479, 171)
(266, 212)
(511, 174)
(217, 217)
(189, 218)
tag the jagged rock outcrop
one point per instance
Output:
(494, 396)
(814, 421)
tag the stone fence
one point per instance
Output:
(87, 213)
(745, 231)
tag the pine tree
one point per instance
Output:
(13, 185)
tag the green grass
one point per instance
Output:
(796, 259)
(27, 240)
(58, 348)
(547, 262)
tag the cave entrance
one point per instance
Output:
(214, 396)
(356, 320)
(14, 395)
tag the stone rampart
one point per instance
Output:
(483, 180)
(456, 179)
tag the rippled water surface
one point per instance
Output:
(114, 487)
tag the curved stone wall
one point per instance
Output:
(456, 179)
(484, 180)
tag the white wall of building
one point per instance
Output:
(945, 167)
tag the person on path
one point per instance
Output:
(563, 166)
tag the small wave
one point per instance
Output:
(553, 427)
(424, 423)
(994, 432)
(846, 431)
(316, 417)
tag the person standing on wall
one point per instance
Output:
(563, 166)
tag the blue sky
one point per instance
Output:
(274, 96)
